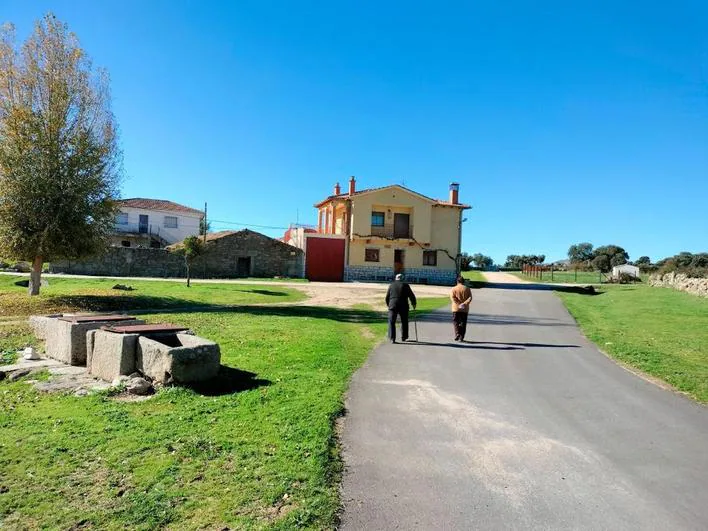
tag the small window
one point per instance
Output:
(377, 220)
(125, 243)
(122, 218)
(430, 258)
(171, 222)
(372, 255)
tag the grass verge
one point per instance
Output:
(72, 294)
(257, 453)
(474, 276)
(660, 331)
(563, 277)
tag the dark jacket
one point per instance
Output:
(398, 295)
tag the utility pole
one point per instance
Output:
(205, 221)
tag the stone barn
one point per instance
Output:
(246, 253)
(227, 254)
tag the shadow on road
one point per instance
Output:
(581, 289)
(491, 345)
(493, 319)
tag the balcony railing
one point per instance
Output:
(390, 231)
(138, 228)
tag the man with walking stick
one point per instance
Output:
(397, 297)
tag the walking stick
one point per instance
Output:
(415, 325)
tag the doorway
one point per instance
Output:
(142, 224)
(401, 226)
(398, 261)
(243, 266)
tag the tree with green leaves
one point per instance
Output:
(60, 165)
(581, 253)
(191, 247)
(614, 254)
(204, 227)
(482, 261)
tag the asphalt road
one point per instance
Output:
(528, 426)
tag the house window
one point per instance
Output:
(377, 219)
(171, 222)
(122, 218)
(371, 255)
(430, 258)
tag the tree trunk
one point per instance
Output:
(36, 276)
(187, 274)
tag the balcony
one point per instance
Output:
(137, 228)
(391, 231)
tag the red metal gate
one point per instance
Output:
(324, 259)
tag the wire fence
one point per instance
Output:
(554, 274)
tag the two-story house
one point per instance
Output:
(154, 223)
(389, 230)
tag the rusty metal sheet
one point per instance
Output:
(162, 328)
(95, 318)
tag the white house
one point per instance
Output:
(627, 269)
(154, 222)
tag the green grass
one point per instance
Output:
(256, 451)
(474, 276)
(71, 294)
(659, 331)
(563, 277)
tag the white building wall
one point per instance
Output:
(187, 224)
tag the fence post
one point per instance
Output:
(551, 273)
(576, 275)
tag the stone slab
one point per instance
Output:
(112, 354)
(195, 359)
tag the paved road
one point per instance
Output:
(528, 426)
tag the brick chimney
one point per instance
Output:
(352, 185)
(454, 193)
(337, 189)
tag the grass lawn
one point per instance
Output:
(564, 277)
(475, 276)
(660, 331)
(257, 452)
(65, 294)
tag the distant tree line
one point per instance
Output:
(518, 261)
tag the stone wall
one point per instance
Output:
(695, 286)
(442, 277)
(268, 258)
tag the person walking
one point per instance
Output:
(397, 297)
(461, 297)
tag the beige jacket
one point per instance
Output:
(461, 295)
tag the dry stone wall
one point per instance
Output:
(695, 286)
(260, 256)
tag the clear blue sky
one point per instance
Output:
(563, 121)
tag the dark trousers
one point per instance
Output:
(392, 315)
(459, 322)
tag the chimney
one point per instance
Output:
(337, 189)
(352, 185)
(454, 193)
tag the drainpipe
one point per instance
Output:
(458, 258)
(347, 232)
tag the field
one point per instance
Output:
(564, 277)
(474, 276)
(257, 452)
(660, 331)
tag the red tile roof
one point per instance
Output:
(158, 204)
(367, 190)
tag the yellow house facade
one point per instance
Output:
(392, 229)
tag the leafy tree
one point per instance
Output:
(60, 165)
(191, 247)
(465, 260)
(204, 227)
(581, 252)
(482, 261)
(615, 256)
(642, 261)
(602, 262)
(515, 261)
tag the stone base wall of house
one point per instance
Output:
(695, 286)
(442, 277)
(259, 256)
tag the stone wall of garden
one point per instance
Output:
(268, 258)
(695, 286)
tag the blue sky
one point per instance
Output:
(563, 121)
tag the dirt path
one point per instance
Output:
(497, 277)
